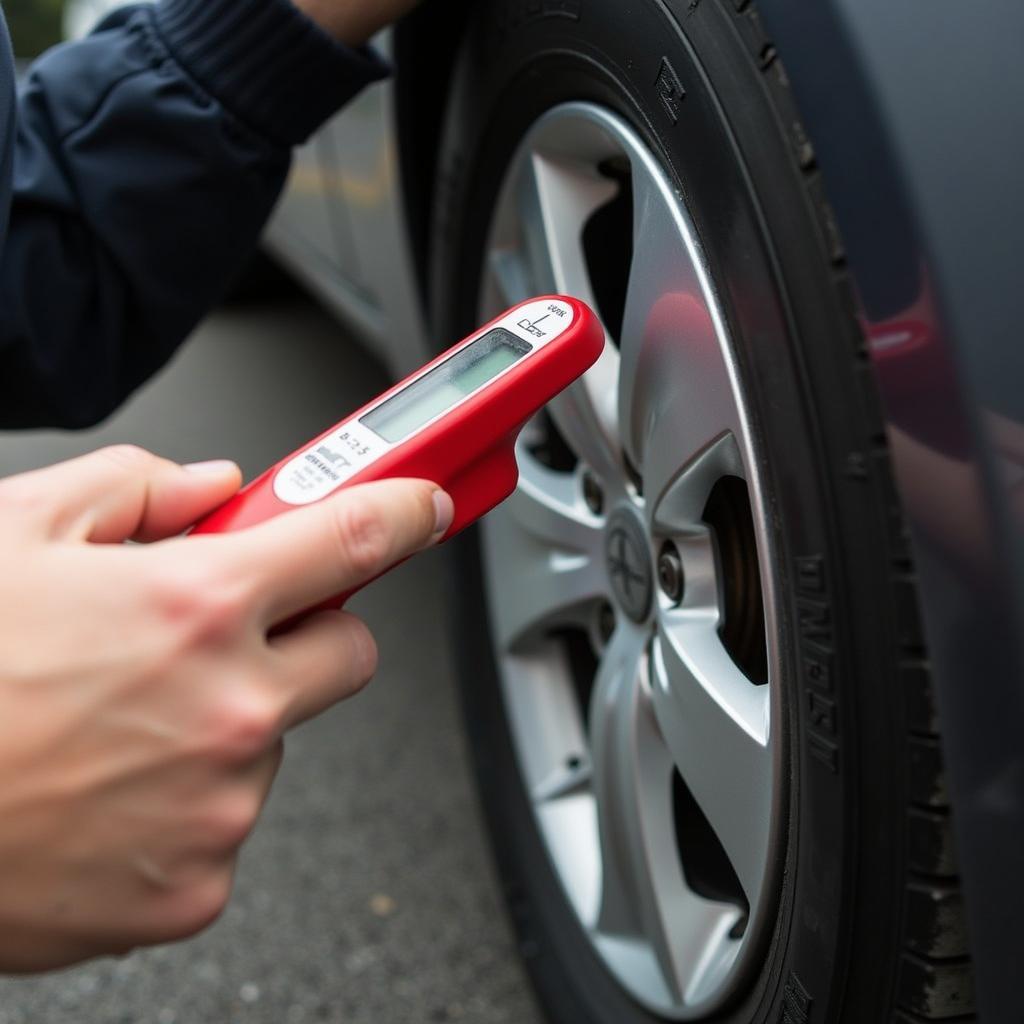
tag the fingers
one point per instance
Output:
(328, 657)
(119, 493)
(305, 557)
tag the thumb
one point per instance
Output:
(310, 555)
(122, 493)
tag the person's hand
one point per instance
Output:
(142, 702)
(354, 21)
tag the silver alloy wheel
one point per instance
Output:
(574, 548)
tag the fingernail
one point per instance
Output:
(215, 467)
(444, 512)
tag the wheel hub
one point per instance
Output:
(629, 563)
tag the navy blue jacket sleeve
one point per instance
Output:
(142, 165)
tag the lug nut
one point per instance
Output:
(670, 573)
(605, 622)
(592, 493)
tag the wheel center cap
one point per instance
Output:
(629, 566)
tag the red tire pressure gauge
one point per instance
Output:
(454, 422)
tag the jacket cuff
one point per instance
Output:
(266, 62)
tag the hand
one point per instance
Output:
(142, 704)
(354, 21)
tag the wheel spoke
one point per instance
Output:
(511, 277)
(646, 908)
(676, 394)
(715, 722)
(565, 780)
(680, 509)
(545, 716)
(547, 547)
(556, 198)
(585, 415)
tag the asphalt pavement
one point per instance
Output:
(366, 894)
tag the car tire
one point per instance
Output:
(865, 921)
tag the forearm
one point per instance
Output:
(149, 157)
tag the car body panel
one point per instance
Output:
(917, 118)
(307, 217)
(350, 172)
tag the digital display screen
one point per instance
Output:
(445, 385)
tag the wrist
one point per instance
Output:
(302, 74)
(351, 23)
